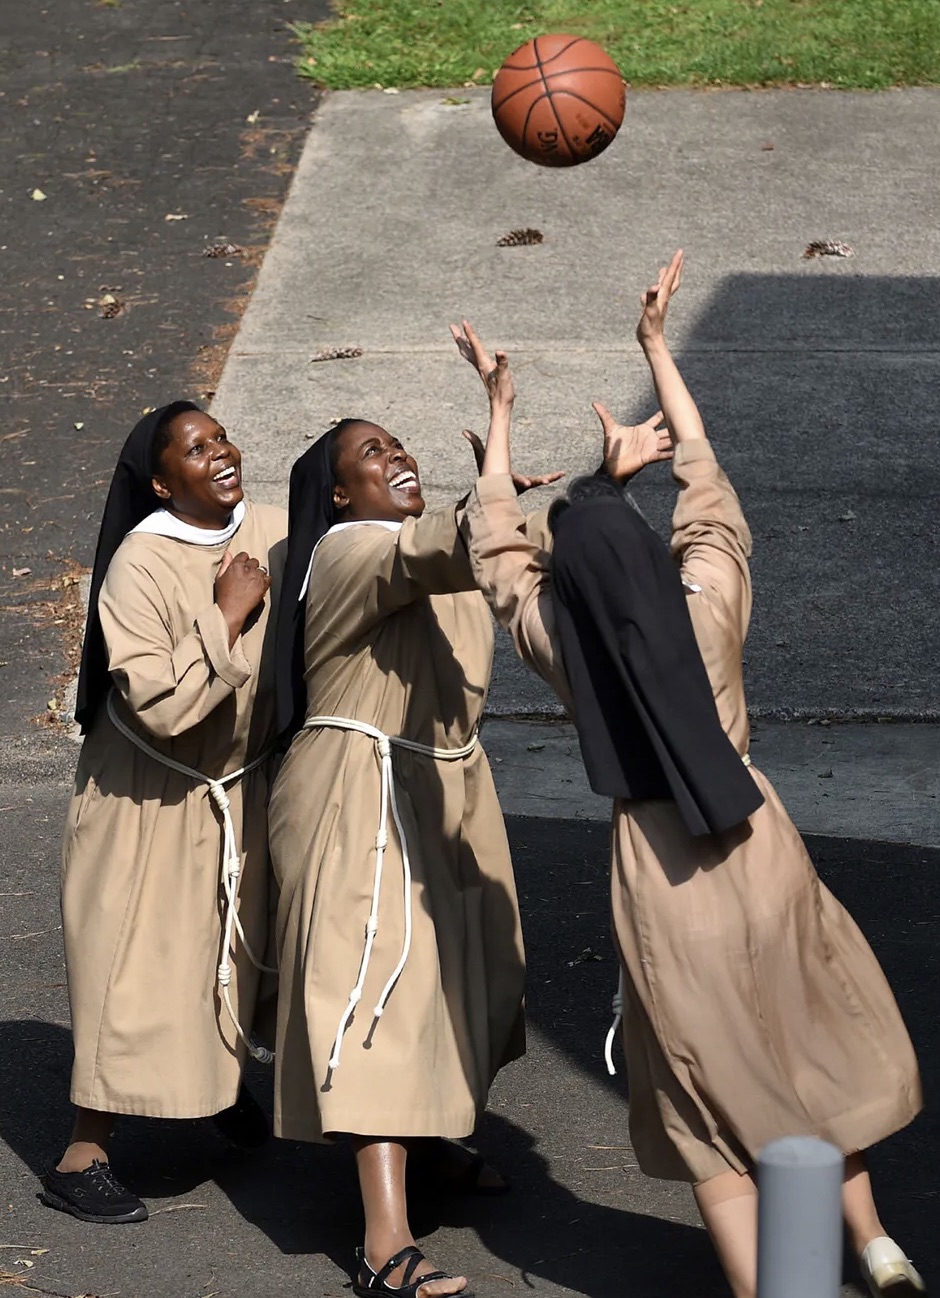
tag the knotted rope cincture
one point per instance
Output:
(384, 744)
(617, 1003)
(231, 868)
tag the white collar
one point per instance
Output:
(162, 523)
(341, 527)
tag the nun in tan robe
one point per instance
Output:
(142, 902)
(396, 636)
(753, 1007)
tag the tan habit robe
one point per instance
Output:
(142, 850)
(754, 1008)
(396, 636)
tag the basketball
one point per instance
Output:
(558, 100)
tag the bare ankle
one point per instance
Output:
(81, 1154)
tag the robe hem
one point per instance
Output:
(145, 1108)
(396, 1126)
(853, 1132)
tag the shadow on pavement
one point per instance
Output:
(818, 390)
(890, 890)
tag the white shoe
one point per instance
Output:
(888, 1271)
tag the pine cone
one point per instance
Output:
(224, 250)
(828, 248)
(517, 238)
(336, 354)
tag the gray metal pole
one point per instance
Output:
(799, 1250)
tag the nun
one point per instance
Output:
(752, 1006)
(398, 934)
(164, 864)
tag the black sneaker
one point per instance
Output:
(94, 1194)
(243, 1124)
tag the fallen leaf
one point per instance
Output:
(52, 705)
(38, 196)
(583, 957)
(176, 216)
(21, 572)
(109, 306)
(253, 117)
(848, 516)
(534, 748)
(79, 426)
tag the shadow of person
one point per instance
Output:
(546, 1231)
(159, 1158)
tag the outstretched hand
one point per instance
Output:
(494, 372)
(656, 298)
(521, 481)
(629, 448)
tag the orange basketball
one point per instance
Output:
(558, 100)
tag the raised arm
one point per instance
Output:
(679, 410)
(710, 536)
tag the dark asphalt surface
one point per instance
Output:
(123, 113)
(581, 1216)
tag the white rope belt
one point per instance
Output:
(384, 744)
(617, 1003)
(231, 868)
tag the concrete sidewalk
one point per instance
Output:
(817, 378)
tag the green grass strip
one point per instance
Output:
(857, 44)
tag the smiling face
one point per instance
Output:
(200, 471)
(375, 478)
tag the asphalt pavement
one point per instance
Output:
(157, 130)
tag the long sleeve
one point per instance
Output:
(509, 556)
(372, 572)
(710, 536)
(170, 687)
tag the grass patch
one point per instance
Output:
(850, 44)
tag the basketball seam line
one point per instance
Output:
(535, 47)
(497, 107)
(529, 67)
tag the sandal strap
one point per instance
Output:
(410, 1269)
(410, 1251)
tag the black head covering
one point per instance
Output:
(310, 516)
(130, 500)
(645, 713)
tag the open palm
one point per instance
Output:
(630, 447)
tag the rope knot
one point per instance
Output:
(221, 797)
(385, 746)
(261, 1053)
(381, 839)
(372, 927)
(378, 1011)
(225, 975)
(355, 996)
